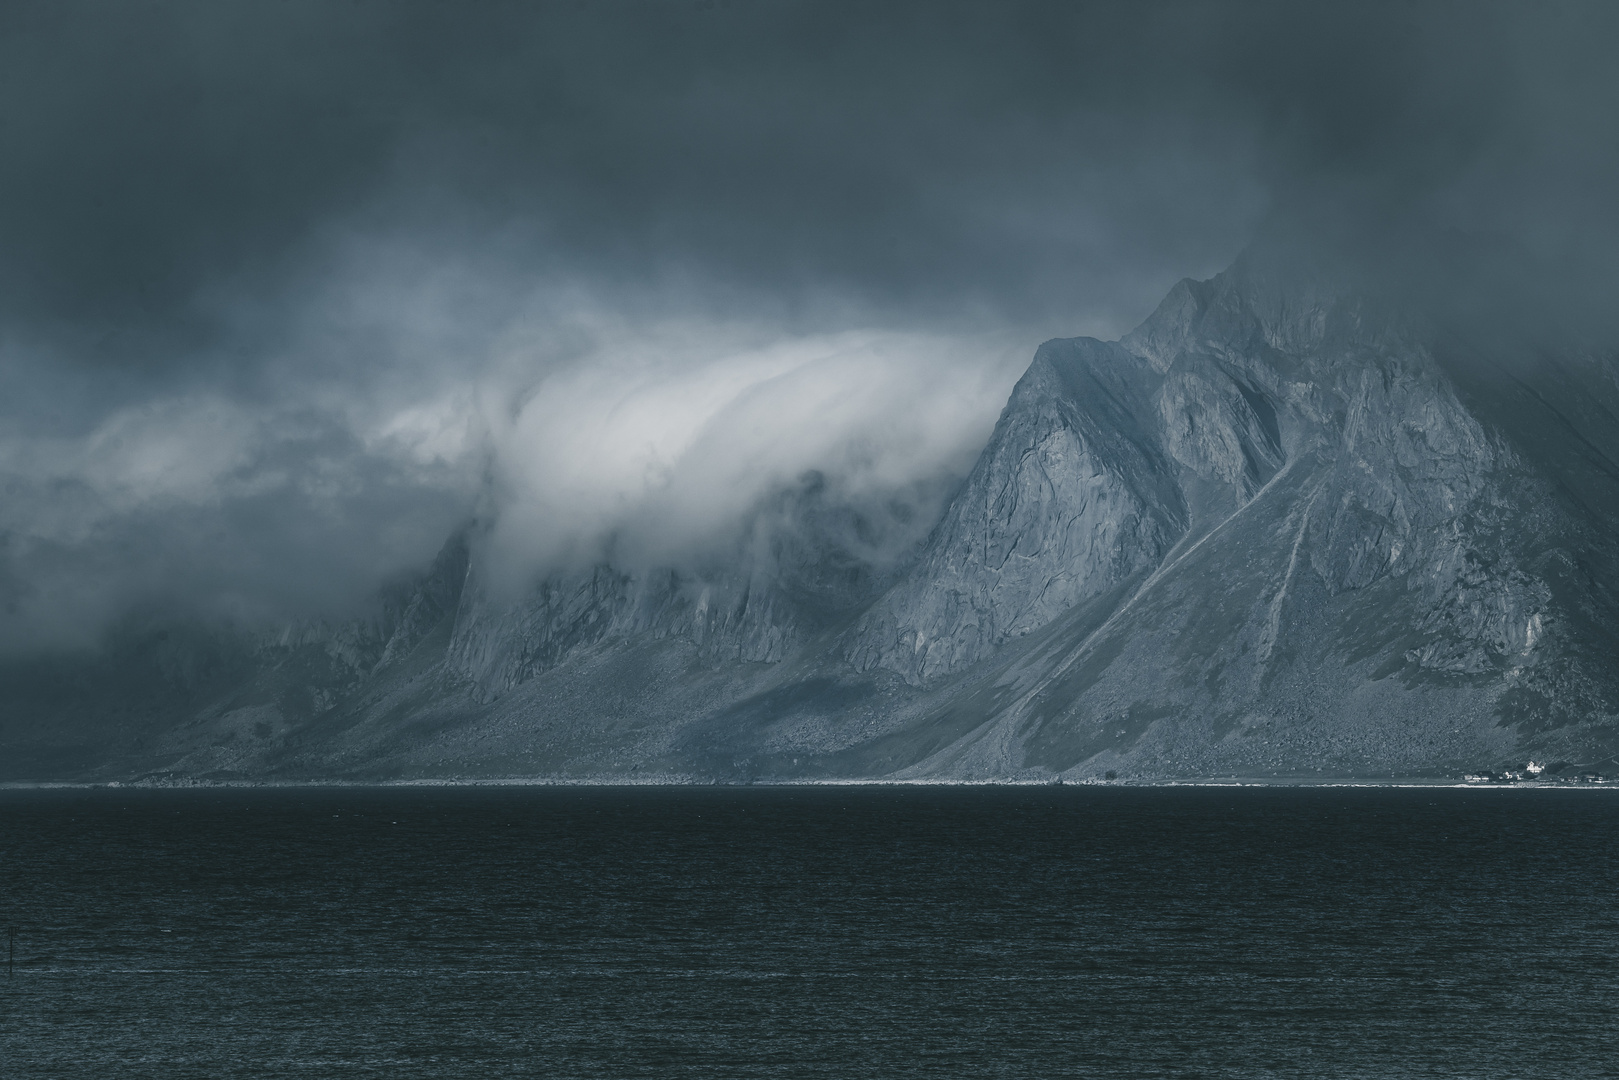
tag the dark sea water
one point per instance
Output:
(848, 932)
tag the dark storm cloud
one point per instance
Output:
(1027, 158)
(392, 222)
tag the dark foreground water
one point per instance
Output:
(811, 932)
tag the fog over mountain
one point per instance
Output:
(645, 389)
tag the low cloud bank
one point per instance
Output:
(578, 431)
(655, 449)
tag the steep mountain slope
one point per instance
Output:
(1412, 589)
(1072, 496)
(1283, 528)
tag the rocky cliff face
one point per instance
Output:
(1073, 495)
(1285, 527)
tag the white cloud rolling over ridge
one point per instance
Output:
(661, 446)
(640, 440)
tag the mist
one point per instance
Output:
(289, 293)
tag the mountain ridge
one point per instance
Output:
(1281, 528)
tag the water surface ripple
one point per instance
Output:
(810, 932)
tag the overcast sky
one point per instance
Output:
(287, 290)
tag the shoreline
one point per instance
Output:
(1414, 783)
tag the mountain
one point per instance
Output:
(1289, 526)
